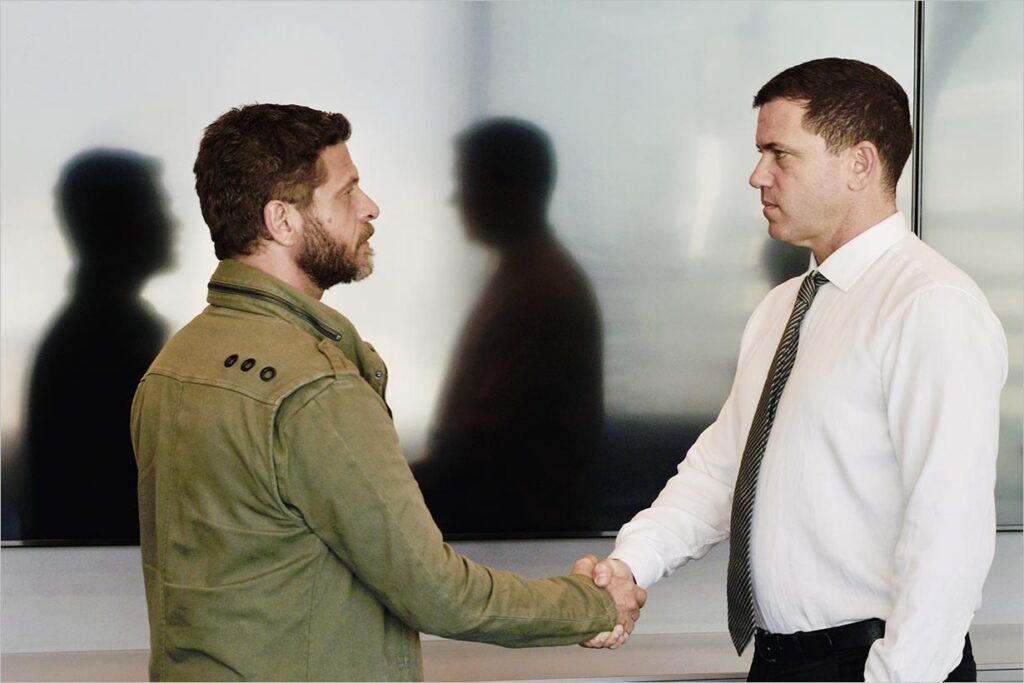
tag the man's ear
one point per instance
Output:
(865, 166)
(283, 222)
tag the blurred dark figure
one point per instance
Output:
(517, 432)
(81, 470)
(783, 261)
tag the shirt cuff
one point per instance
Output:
(643, 562)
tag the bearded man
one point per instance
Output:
(283, 535)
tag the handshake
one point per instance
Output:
(616, 577)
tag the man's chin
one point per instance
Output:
(363, 271)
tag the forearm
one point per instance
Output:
(355, 490)
(689, 516)
(505, 609)
(938, 587)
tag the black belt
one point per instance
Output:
(775, 647)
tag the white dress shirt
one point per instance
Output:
(875, 496)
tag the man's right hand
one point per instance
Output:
(616, 577)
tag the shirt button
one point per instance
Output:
(378, 374)
(231, 360)
(248, 364)
(268, 373)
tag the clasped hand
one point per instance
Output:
(616, 577)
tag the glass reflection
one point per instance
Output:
(654, 141)
(520, 415)
(973, 184)
(79, 468)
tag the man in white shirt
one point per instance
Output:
(869, 507)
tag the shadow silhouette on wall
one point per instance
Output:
(79, 467)
(520, 416)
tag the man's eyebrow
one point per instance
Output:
(768, 146)
(354, 180)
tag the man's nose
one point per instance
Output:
(760, 177)
(372, 210)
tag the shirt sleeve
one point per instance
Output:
(341, 468)
(689, 516)
(942, 375)
(693, 511)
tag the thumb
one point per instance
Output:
(603, 573)
(584, 565)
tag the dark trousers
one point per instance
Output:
(842, 664)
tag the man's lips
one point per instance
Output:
(368, 234)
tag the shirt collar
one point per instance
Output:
(847, 263)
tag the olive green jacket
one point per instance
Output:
(283, 535)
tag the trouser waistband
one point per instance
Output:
(775, 647)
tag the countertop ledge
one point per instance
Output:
(665, 657)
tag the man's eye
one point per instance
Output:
(780, 154)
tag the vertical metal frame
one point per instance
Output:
(915, 190)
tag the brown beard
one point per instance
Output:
(325, 260)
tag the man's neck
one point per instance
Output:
(278, 264)
(861, 218)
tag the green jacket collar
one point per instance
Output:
(241, 287)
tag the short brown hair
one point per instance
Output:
(849, 102)
(254, 154)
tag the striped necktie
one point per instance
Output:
(739, 589)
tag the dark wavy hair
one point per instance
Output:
(848, 102)
(254, 154)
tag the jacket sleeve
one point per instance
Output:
(340, 466)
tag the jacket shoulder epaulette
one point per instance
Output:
(263, 357)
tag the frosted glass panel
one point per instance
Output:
(148, 77)
(648, 108)
(973, 181)
(649, 104)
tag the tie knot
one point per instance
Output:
(809, 287)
